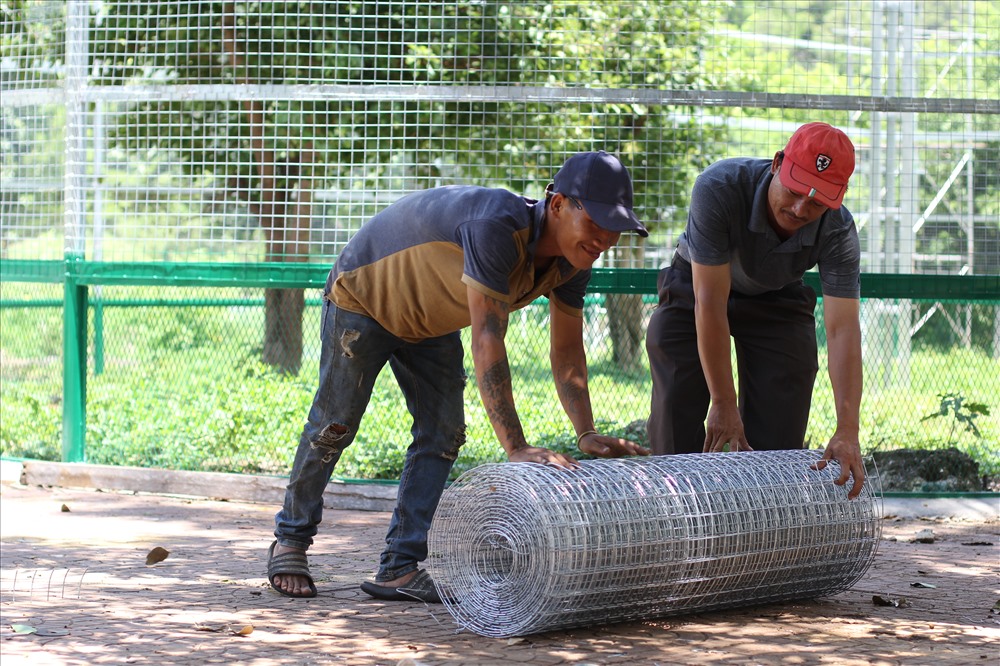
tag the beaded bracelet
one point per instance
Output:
(584, 434)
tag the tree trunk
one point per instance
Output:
(288, 240)
(283, 210)
(283, 310)
(626, 314)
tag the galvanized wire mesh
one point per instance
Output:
(191, 131)
(149, 147)
(520, 548)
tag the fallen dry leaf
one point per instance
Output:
(156, 555)
(244, 630)
(211, 627)
(64, 508)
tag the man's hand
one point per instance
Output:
(724, 426)
(846, 450)
(605, 446)
(537, 454)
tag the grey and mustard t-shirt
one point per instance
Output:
(409, 266)
(727, 223)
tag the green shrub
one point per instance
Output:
(183, 388)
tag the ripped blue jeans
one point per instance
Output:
(432, 377)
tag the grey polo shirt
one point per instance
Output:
(727, 223)
(410, 265)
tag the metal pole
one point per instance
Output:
(908, 189)
(891, 150)
(996, 332)
(875, 256)
(75, 306)
(970, 201)
(98, 186)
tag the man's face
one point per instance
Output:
(581, 240)
(789, 211)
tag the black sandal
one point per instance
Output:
(289, 564)
(420, 588)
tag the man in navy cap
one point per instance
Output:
(754, 227)
(414, 275)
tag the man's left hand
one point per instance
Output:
(846, 450)
(604, 446)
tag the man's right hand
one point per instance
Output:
(724, 426)
(537, 454)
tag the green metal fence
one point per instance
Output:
(169, 376)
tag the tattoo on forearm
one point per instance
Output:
(495, 386)
(494, 323)
(574, 397)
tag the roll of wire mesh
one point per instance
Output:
(521, 548)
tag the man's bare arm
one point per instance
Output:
(490, 318)
(711, 295)
(843, 341)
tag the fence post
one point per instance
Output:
(74, 294)
(74, 368)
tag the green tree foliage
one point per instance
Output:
(562, 46)
(580, 68)
(261, 150)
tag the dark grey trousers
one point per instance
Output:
(775, 338)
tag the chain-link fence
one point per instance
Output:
(178, 176)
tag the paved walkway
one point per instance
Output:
(74, 569)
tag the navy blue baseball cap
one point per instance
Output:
(600, 182)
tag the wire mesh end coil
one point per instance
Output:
(520, 548)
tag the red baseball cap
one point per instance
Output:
(818, 162)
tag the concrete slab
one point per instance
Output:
(973, 508)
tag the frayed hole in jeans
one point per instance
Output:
(330, 440)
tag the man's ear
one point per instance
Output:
(776, 162)
(556, 202)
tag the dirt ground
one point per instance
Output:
(74, 573)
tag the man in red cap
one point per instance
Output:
(754, 227)
(413, 276)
